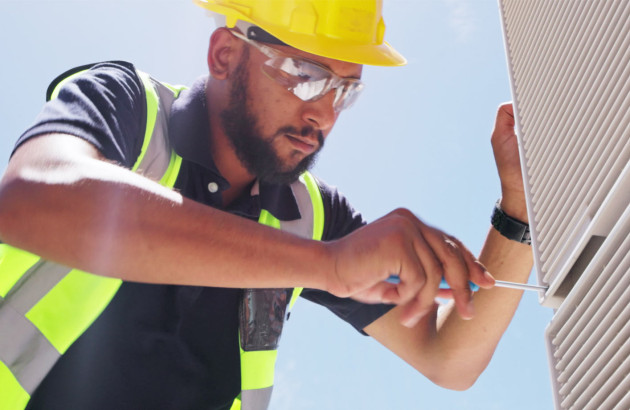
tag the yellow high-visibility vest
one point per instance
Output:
(45, 306)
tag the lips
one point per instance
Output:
(303, 144)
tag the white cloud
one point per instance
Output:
(461, 18)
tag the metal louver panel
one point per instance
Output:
(569, 63)
(570, 72)
(589, 336)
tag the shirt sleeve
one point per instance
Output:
(340, 220)
(104, 105)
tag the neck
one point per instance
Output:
(222, 150)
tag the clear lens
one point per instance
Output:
(307, 80)
(311, 90)
(310, 82)
(347, 93)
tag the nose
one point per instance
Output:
(321, 114)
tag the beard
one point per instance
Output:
(254, 150)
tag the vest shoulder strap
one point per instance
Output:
(157, 159)
(263, 311)
(49, 305)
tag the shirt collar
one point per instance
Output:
(277, 199)
(189, 130)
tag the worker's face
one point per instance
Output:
(275, 134)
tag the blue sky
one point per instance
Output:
(419, 137)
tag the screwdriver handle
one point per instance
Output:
(443, 284)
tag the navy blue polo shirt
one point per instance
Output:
(166, 346)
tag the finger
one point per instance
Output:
(477, 271)
(419, 306)
(417, 289)
(506, 108)
(424, 299)
(445, 252)
(462, 294)
(456, 271)
(377, 294)
(440, 257)
(504, 124)
(428, 255)
(480, 275)
(505, 117)
(412, 275)
(445, 293)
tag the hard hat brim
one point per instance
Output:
(371, 54)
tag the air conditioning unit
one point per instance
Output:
(569, 63)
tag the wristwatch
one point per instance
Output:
(510, 227)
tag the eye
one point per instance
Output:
(280, 71)
(311, 72)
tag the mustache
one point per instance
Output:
(303, 132)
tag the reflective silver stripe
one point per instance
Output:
(157, 157)
(256, 399)
(23, 348)
(303, 226)
(34, 284)
(25, 351)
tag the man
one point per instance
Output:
(100, 217)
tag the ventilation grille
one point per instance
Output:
(570, 72)
(588, 338)
(569, 63)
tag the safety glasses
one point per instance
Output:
(306, 79)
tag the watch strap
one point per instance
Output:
(509, 227)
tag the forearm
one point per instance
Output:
(450, 351)
(104, 219)
(468, 345)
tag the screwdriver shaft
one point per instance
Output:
(499, 283)
(520, 286)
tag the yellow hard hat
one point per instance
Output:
(346, 30)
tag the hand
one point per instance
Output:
(506, 155)
(400, 244)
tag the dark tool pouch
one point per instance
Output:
(261, 314)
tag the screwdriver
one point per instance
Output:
(474, 287)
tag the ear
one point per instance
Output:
(223, 52)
